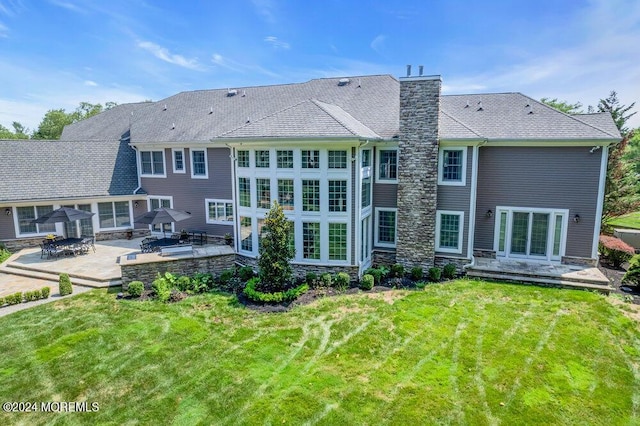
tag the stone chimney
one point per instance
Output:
(418, 170)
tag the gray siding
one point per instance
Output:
(543, 177)
(7, 229)
(385, 195)
(457, 198)
(189, 194)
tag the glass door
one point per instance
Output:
(157, 203)
(71, 228)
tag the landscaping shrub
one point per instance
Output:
(341, 282)
(184, 283)
(421, 285)
(416, 273)
(632, 276)
(14, 299)
(135, 288)
(203, 280)
(275, 252)
(615, 250)
(225, 277)
(397, 270)
(161, 288)
(449, 271)
(30, 296)
(311, 279)
(276, 297)
(245, 273)
(366, 282)
(1, 301)
(45, 292)
(325, 280)
(4, 254)
(435, 274)
(378, 273)
(64, 285)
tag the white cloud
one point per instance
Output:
(278, 44)
(90, 83)
(238, 67)
(265, 8)
(164, 54)
(67, 5)
(378, 43)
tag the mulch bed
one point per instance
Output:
(615, 276)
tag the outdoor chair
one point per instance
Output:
(44, 249)
(88, 243)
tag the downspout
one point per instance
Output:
(472, 205)
(234, 189)
(135, 191)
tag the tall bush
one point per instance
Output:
(64, 285)
(632, 276)
(615, 250)
(276, 253)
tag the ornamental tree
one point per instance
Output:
(276, 252)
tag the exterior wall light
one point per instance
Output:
(576, 218)
(7, 212)
(135, 204)
(489, 213)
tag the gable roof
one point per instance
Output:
(600, 120)
(55, 169)
(514, 116)
(365, 107)
(110, 124)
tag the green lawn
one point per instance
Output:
(631, 220)
(462, 352)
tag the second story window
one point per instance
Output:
(337, 159)
(262, 158)
(151, 163)
(198, 163)
(451, 167)
(243, 158)
(178, 161)
(387, 165)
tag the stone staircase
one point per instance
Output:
(10, 268)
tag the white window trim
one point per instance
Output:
(379, 243)
(149, 208)
(377, 165)
(439, 214)
(164, 164)
(114, 214)
(217, 201)
(173, 160)
(441, 180)
(206, 164)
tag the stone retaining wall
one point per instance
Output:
(300, 271)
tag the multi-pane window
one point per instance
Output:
(366, 192)
(27, 214)
(263, 193)
(311, 240)
(285, 194)
(199, 163)
(310, 195)
(292, 236)
(246, 237)
(386, 227)
(156, 203)
(262, 231)
(178, 161)
(388, 167)
(114, 214)
(337, 159)
(151, 163)
(285, 159)
(310, 159)
(449, 231)
(366, 158)
(219, 211)
(337, 241)
(337, 195)
(243, 158)
(262, 158)
(244, 192)
(452, 165)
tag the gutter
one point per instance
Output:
(135, 191)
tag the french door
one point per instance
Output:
(156, 203)
(538, 234)
(79, 228)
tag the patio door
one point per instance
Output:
(537, 234)
(157, 203)
(79, 228)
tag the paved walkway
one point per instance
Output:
(38, 284)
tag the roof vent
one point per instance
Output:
(165, 107)
(210, 110)
(420, 70)
(244, 93)
(248, 120)
(173, 126)
(480, 106)
(232, 92)
(343, 82)
(467, 105)
(359, 83)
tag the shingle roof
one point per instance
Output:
(517, 117)
(600, 120)
(111, 124)
(53, 169)
(366, 107)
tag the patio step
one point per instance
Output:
(15, 269)
(565, 282)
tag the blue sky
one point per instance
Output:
(57, 53)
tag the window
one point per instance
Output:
(285, 159)
(243, 158)
(285, 193)
(246, 234)
(310, 195)
(366, 192)
(388, 165)
(27, 214)
(263, 193)
(337, 159)
(386, 227)
(114, 214)
(244, 190)
(152, 163)
(310, 159)
(262, 230)
(156, 203)
(262, 158)
(178, 160)
(310, 240)
(449, 231)
(199, 164)
(219, 211)
(366, 158)
(452, 165)
(337, 195)
(337, 241)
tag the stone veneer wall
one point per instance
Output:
(418, 171)
(384, 257)
(121, 234)
(300, 270)
(440, 262)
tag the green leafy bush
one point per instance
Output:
(449, 271)
(245, 273)
(184, 283)
(435, 274)
(421, 284)
(311, 279)
(30, 296)
(378, 273)
(64, 285)
(416, 273)
(225, 277)
(275, 252)
(277, 297)
(203, 280)
(161, 288)
(366, 282)
(4, 254)
(632, 276)
(397, 270)
(615, 250)
(1, 301)
(325, 280)
(135, 288)
(45, 292)
(13, 299)
(341, 281)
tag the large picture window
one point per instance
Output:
(27, 214)
(285, 159)
(337, 159)
(263, 193)
(244, 191)
(114, 214)
(310, 159)
(285, 194)
(246, 234)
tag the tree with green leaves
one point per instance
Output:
(563, 106)
(19, 132)
(632, 153)
(620, 113)
(275, 251)
(54, 120)
(622, 190)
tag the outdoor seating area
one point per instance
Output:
(61, 246)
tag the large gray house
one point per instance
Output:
(369, 169)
